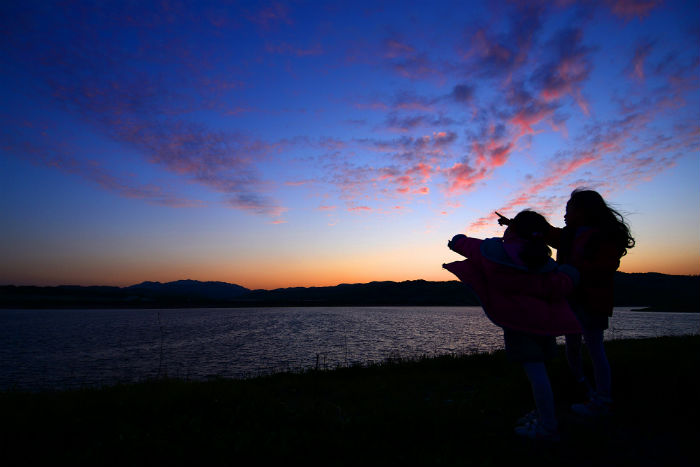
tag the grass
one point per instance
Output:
(450, 410)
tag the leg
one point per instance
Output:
(601, 366)
(542, 393)
(573, 356)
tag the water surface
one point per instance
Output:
(57, 349)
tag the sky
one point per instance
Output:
(312, 143)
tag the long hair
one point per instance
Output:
(531, 227)
(599, 214)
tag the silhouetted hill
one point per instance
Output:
(417, 292)
(190, 289)
(658, 292)
(178, 294)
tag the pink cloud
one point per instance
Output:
(462, 177)
(109, 90)
(410, 101)
(493, 153)
(636, 66)
(504, 55)
(404, 124)
(422, 169)
(490, 50)
(630, 8)
(568, 67)
(408, 62)
(601, 141)
(394, 48)
(359, 209)
(527, 117)
(299, 182)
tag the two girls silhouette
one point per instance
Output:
(534, 299)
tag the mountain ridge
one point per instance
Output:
(656, 291)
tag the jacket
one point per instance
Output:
(596, 258)
(513, 296)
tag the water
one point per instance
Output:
(59, 349)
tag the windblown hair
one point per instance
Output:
(602, 216)
(531, 227)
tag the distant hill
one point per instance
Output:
(659, 292)
(417, 292)
(190, 289)
(178, 294)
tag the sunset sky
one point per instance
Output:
(278, 144)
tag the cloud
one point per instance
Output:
(408, 180)
(284, 48)
(405, 60)
(254, 203)
(111, 89)
(271, 16)
(527, 111)
(404, 167)
(616, 148)
(636, 65)
(58, 157)
(400, 101)
(403, 124)
(462, 176)
(405, 100)
(462, 93)
(630, 8)
(394, 48)
(408, 149)
(503, 55)
(532, 97)
(359, 209)
(566, 70)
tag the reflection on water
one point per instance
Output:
(71, 348)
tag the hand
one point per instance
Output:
(451, 243)
(502, 220)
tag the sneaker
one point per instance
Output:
(596, 406)
(534, 430)
(527, 418)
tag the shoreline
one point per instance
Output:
(637, 308)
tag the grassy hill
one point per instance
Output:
(450, 410)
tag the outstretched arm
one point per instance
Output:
(465, 246)
(552, 236)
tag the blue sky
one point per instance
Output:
(276, 144)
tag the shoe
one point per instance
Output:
(534, 430)
(527, 418)
(596, 406)
(582, 391)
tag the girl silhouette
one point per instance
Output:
(594, 240)
(523, 291)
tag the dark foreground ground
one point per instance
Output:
(436, 411)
